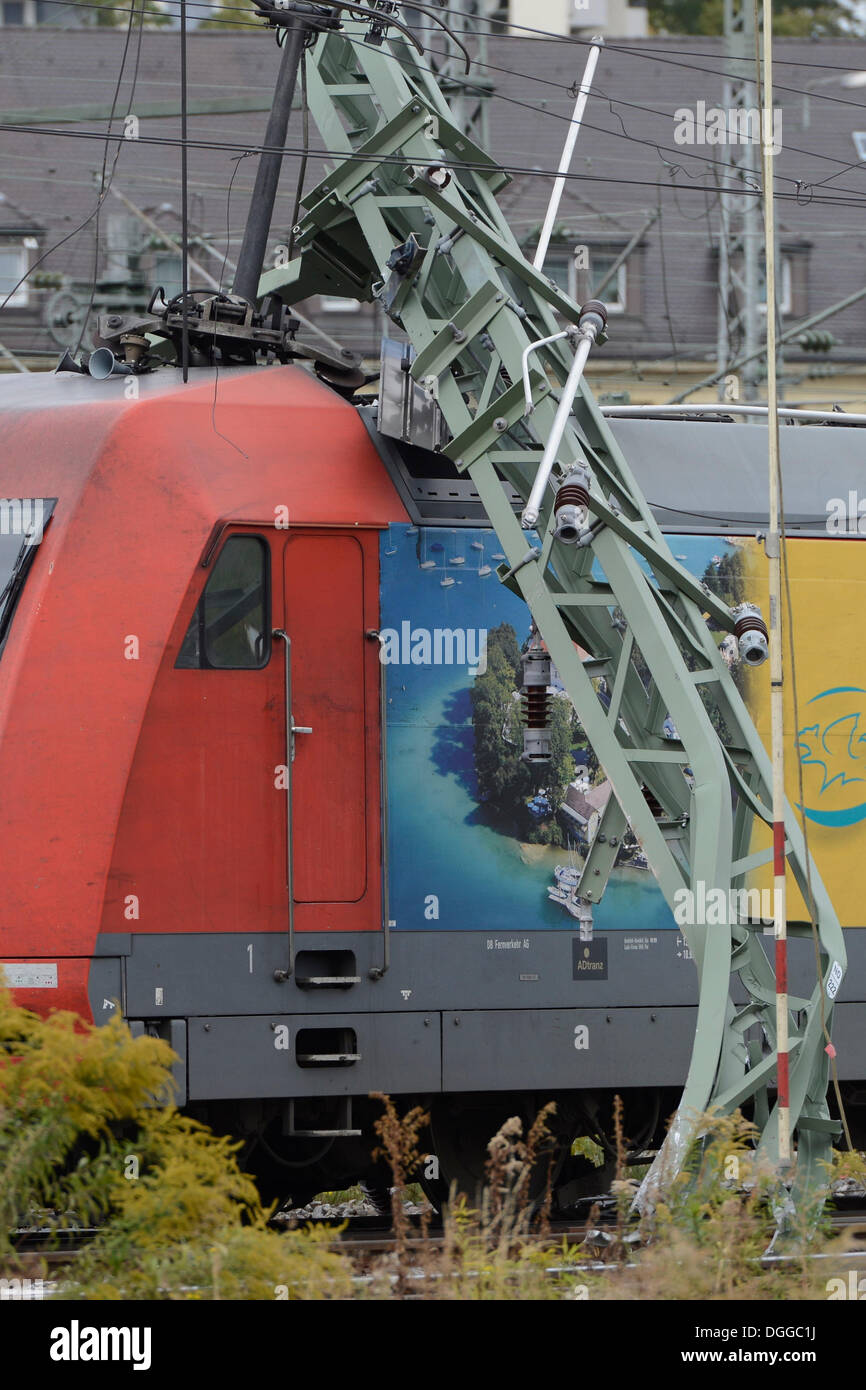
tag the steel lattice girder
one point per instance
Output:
(470, 306)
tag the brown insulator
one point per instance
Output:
(751, 622)
(571, 494)
(535, 705)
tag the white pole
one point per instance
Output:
(567, 152)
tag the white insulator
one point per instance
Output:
(536, 667)
(536, 745)
(570, 522)
(751, 634)
(753, 648)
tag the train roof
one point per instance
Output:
(233, 443)
(712, 476)
(233, 437)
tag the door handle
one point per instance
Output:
(285, 973)
(297, 729)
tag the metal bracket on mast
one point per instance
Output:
(472, 306)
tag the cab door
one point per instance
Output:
(330, 583)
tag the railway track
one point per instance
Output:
(591, 1227)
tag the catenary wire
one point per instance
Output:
(852, 198)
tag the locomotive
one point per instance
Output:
(250, 652)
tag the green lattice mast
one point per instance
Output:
(408, 216)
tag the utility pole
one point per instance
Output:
(739, 321)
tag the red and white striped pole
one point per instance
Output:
(780, 924)
(781, 935)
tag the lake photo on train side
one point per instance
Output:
(496, 842)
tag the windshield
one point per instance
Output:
(22, 525)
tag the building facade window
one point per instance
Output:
(14, 262)
(17, 13)
(614, 294)
(784, 288)
(580, 270)
(792, 279)
(559, 267)
(168, 271)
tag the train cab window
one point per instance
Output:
(22, 525)
(230, 628)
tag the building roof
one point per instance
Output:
(628, 165)
(585, 803)
(14, 221)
